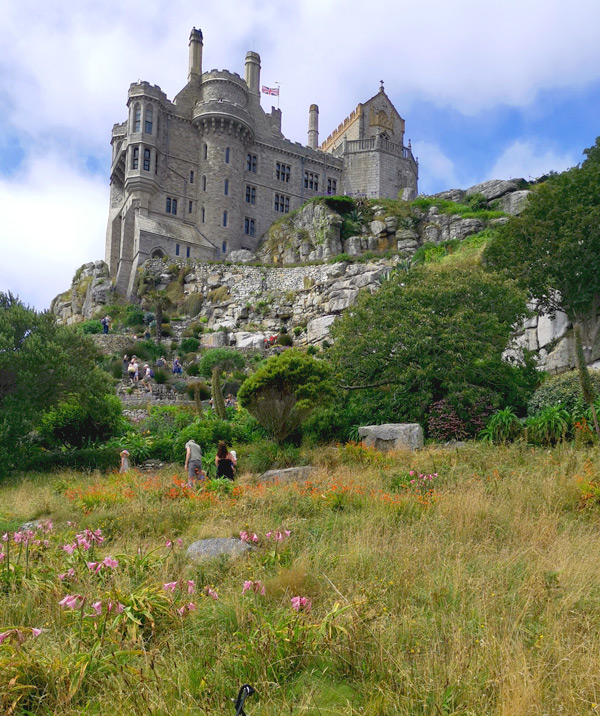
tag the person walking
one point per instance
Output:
(225, 462)
(148, 375)
(124, 461)
(193, 462)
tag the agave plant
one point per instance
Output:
(548, 427)
(503, 427)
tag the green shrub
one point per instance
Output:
(201, 387)
(548, 427)
(160, 376)
(76, 424)
(312, 350)
(284, 339)
(103, 457)
(189, 345)
(218, 295)
(91, 327)
(133, 316)
(193, 369)
(341, 204)
(298, 330)
(563, 390)
(148, 350)
(193, 304)
(268, 455)
(166, 331)
(503, 427)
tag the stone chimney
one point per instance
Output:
(195, 62)
(253, 72)
(313, 126)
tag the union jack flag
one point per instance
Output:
(270, 90)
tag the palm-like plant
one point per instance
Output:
(212, 364)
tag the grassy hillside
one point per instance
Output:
(474, 592)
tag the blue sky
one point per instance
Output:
(488, 89)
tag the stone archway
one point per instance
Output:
(157, 253)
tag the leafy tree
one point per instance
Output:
(285, 390)
(553, 247)
(438, 331)
(41, 364)
(211, 365)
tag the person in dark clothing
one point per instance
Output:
(225, 462)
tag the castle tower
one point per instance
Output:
(195, 62)
(253, 72)
(313, 126)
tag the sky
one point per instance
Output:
(489, 89)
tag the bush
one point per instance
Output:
(503, 427)
(218, 295)
(188, 345)
(75, 423)
(160, 376)
(91, 327)
(93, 458)
(193, 304)
(148, 350)
(548, 427)
(133, 316)
(458, 418)
(341, 204)
(284, 339)
(193, 369)
(267, 455)
(563, 390)
(201, 387)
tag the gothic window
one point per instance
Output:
(282, 203)
(250, 194)
(204, 183)
(146, 159)
(192, 176)
(171, 205)
(148, 120)
(226, 187)
(206, 151)
(251, 163)
(311, 181)
(224, 247)
(225, 218)
(249, 226)
(135, 158)
(137, 118)
(331, 185)
(282, 172)
(226, 155)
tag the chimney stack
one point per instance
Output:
(253, 72)
(313, 126)
(195, 62)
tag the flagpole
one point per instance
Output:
(278, 92)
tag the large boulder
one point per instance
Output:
(289, 474)
(318, 329)
(495, 188)
(392, 436)
(217, 547)
(515, 202)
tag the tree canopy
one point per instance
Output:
(438, 331)
(553, 248)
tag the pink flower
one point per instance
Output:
(181, 611)
(210, 593)
(191, 607)
(5, 537)
(191, 586)
(97, 607)
(170, 586)
(92, 566)
(116, 607)
(110, 562)
(168, 544)
(244, 536)
(2, 556)
(247, 585)
(17, 537)
(69, 573)
(277, 535)
(5, 635)
(69, 548)
(179, 542)
(71, 601)
(411, 473)
(70, 524)
(257, 587)
(301, 604)
(36, 632)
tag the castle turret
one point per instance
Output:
(313, 126)
(253, 72)
(195, 62)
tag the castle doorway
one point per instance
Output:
(157, 254)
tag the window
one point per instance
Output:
(226, 187)
(249, 226)
(171, 205)
(148, 122)
(226, 155)
(137, 118)
(282, 172)
(176, 249)
(204, 183)
(187, 252)
(205, 152)
(251, 163)
(224, 218)
(224, 247)
(192, 176)
(203, 212)
(331, 186)
(250, 194)
(146, 160)
(190, 207)
(135, 158)
(311, 181)
(282, 203)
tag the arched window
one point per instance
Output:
(204, 183)
(148, 120)
(135, 158)
(205, 151)
(224, 218)
(226, 155)
(137, 118)
(226, 187)
(203, 214)
(147, 156)
(224, 247)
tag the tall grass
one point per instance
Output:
(479, 595)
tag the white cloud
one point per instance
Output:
(528, 160)
(441, 172)
(53, 220)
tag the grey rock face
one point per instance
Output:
(216, 547)
(290, 474)
(515, 202)
(457, 195)
(377, 228)
(495, 188)
(392, 436)
(241, 256)
(318, 329)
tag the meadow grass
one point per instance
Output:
(474, 592)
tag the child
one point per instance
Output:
(124, 461)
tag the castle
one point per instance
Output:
(209, 172)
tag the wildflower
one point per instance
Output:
(71, 601)
(116, 607)
(257, 587)
(168, 544)
(36, 632)
(17, 537)
(301, 604)
(191, 607)
(191, 586)
(170, 586)
(5, 635)
(247, 537)
(5, 537)
(179, 542)
(110, 562)
(93, 566)
(69, 548)
(97, 607)
(2, 556)
(277, 535)
(210, 593)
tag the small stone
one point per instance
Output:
(216, 547)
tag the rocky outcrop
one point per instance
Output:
(90, 290)
(392, 436)
(508, 195)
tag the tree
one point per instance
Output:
(41, 364)
(212, 364)
(285, 390)
(553, 247)
(159, 301)
(436, 332)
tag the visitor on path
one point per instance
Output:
(136, 370)
(225, 462)
(124, 461)
(193, 462)
(125, 364)
(177, 365)
(105, 323)
(131, 370)
(147, 379)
